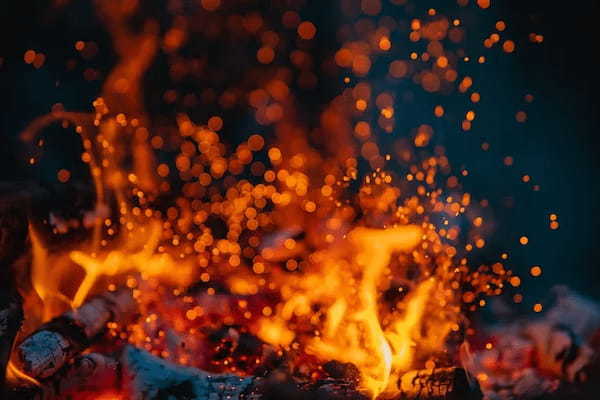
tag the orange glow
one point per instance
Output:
(536, 270)
(385, 44)
(307, 30)
(484, 3)
(508, 46)
(265, 55)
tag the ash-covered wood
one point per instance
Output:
(47, 350)
(138, 375)
(83, 378)
(149, 377)
(439, 384)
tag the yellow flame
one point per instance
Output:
(350, 289)
(14, 374)
(51, 274)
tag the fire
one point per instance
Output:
(354, 244)
(346, 283)
(353, 328)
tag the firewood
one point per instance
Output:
(11, 317)
(83, 378)
(149, 377)
(45, 351)
(13, 237)
(439, 384)
(138, 375)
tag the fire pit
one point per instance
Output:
(234, 240)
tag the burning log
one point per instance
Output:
(439, 384)
(83, 378)
(49, 348)
(149, 377)
(138, 375)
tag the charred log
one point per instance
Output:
(48, 349)
(83, 378)
(439, 384)
(13, 237)
(138, 375)
(11, 317)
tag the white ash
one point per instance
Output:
(46, 351)
(150, 376)
(44, 354)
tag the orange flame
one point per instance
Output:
(239, 213)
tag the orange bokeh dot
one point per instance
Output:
(508, 46)
(536, 270)
(29, 56)
(215, 123)
(307, 30)
(265, 55)
(63, 175)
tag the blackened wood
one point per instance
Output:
(439, 384)
(48, 349)
(13, 238)
(85, 377)
(11, 317)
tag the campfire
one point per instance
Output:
(309, 253)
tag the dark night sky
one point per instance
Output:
(558, 146)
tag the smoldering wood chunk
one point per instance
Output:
(82, 379)
(340, 370)
(336, 389)
(47, 350)
(150, 378)
(439, 384)
(13, 243)
(288, 389)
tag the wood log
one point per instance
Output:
(47, 350)
(13, 237)
(439, 384)
(11, 317)
(138, 375)
(135, 375)
(84, 378)
(149, 377)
